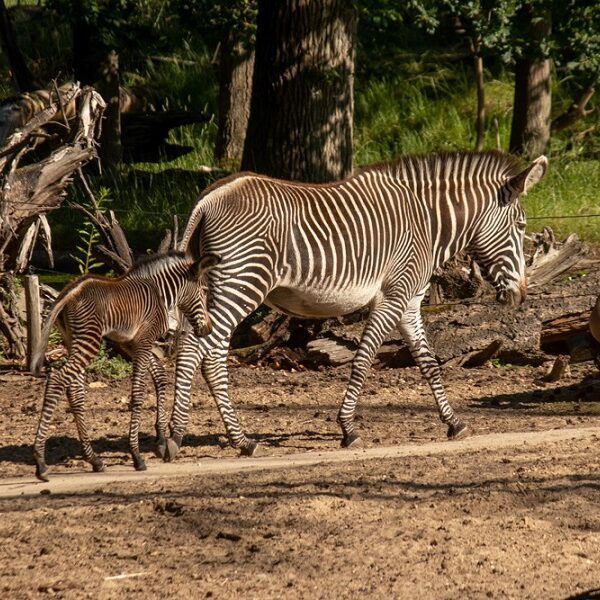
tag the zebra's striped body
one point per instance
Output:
(133, 311)
(326, 250)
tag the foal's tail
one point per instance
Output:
(38, 357)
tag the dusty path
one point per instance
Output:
(66, 483)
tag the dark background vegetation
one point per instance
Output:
(414, 90)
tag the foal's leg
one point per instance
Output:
(141, 360)
(214, 370)
(382, 320)
(411, 326)
(76, 396)
(58, 382)
(159, 377)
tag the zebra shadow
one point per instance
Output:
(63, 448)
(583, 392)
(587, 595)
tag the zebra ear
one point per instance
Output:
(520, 184)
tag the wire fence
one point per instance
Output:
(183, 215)
(541, 295)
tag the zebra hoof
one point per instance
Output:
(249, 448)
(457, 431)
(98, 466)
(139, 464)
(160, 447)
(41, 472)
(352, 441)
(171, 450)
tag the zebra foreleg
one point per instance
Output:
(141, 362)
(413, 331)
(382, 321)
(159, 379)
(214, 370)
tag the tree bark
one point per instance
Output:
(300, 124)
(236, 65)
(21, 74)
(479, 83)
(530, 132)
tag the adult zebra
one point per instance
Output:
(326, 250)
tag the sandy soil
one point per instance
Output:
(513, 522)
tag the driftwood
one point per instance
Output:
(143, 132)
(560, 369)
(551, 258)
(29, 192)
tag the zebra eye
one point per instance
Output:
(521, 225)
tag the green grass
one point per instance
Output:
(571, 187)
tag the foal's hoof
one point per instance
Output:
(352, 441)
(457, 430)
(98, 466)
(139, 464)
(249, 448)
(41, 472)
(171, 450)
(160, 447)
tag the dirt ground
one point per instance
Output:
(517, 522)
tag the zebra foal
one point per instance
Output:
(326, 250)
(133, 311)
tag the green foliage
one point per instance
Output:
(235, 17)
(89, 237)
(114, 367)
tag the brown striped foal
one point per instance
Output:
(132, 311)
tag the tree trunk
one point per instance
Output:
(530, 132)
(236, 65)
(21, 75)
(480, 120)
(87, 49)
(110, 140)
(300, 124)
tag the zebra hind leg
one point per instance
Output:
(189, 356)
(159, 378)
(76, 396)
(382, 321)
(55, 386)
(413, 331)
(214, 370)
(141, 361)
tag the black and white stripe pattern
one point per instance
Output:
(327, 250)
(133, 311)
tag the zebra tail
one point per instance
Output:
(193, 223)
(39, 354)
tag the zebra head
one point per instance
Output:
(498, 242)
(193, 297)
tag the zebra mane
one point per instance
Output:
(491, 163)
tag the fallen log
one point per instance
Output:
(551, 258)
